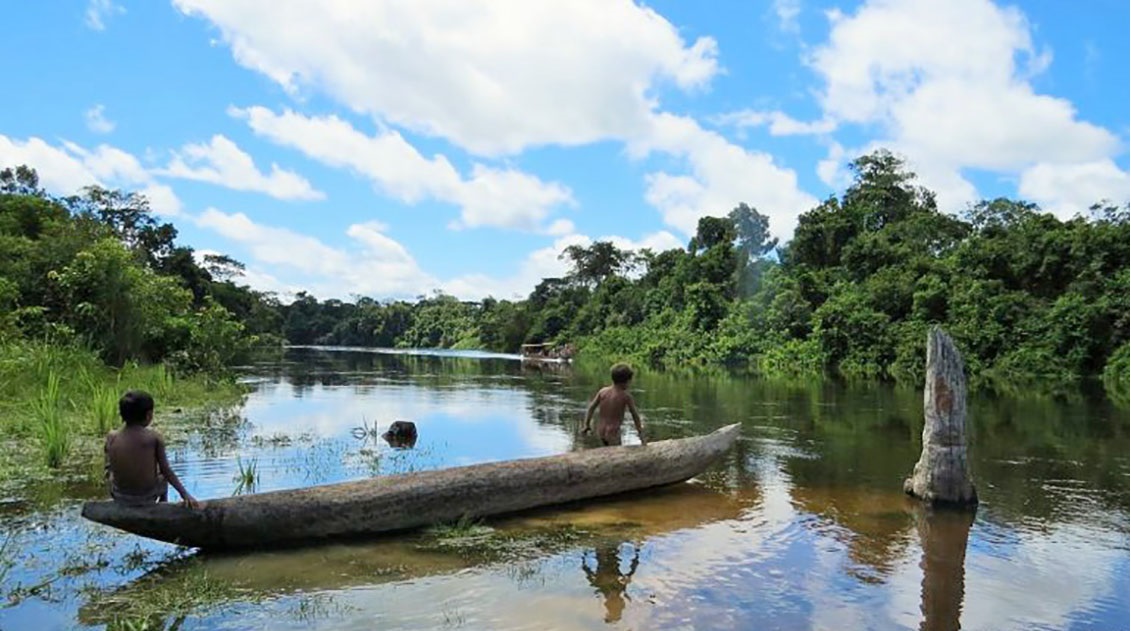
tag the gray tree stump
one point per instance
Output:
(942, 475)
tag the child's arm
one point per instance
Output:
(592, 409)
(636, 420)
(167, 471)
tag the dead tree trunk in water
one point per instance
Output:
(942, 475)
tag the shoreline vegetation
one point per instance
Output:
(96, 297)
(58, 403)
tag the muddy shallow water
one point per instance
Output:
(803, 526)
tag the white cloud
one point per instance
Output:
(162, 200)
(491, 77)
(98, 11)
(779, 123)
(222, 162)
(497, 78)
(948, 108)
(96, 120)
(66, 169)
(560, 227)
(373, 265)
(491, 196)
(1067, 190)
(723, 175)
(787, 12)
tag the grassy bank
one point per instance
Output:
(58, 402)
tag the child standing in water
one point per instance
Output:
(612, 401)
(135, 457)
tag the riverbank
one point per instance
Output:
(58, 402)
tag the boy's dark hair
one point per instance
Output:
(134, 406)
(622, 374)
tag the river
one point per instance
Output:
(802, 526)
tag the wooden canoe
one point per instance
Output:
(412, 500)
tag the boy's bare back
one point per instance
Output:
(136, 464)
(131, 454)
(610, 404)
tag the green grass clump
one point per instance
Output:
(247, 477)
(53, 430)
(104, 408)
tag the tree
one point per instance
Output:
(23, 180)
(128, 215)
(593, 264)
(223, 267)
(752, 230)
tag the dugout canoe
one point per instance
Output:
(411, 500)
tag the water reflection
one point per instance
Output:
(942, 536)
(607, 577)
(803, 525)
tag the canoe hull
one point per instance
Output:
(412, 500)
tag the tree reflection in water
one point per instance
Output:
(607, 578)
(943, 535)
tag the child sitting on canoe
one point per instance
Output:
(135, 457)
(612, 401)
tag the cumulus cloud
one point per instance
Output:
(491, 77)
(96, 120)
(373, 264)
(1068, 190)
(723, 174)
(222, 162)
(488, 196)
(496, 78)
(949, 108)
(66, 169)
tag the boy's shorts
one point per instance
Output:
(158, 493)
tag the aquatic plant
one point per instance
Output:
(365, 431)
(247, 477)
(54, 433)
(104, 408)
(159, 597)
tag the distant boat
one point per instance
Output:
(547, 353)
(413, 500)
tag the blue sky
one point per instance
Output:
(393, 148)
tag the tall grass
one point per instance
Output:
(104, 408)
(62, 398)
(53, 431)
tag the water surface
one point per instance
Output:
(802, 526)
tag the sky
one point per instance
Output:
(394, 148)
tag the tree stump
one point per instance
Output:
(942, 475)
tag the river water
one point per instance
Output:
(802, 526)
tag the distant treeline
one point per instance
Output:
(1028, 297)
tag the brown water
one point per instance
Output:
(803, 526)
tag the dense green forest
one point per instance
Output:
(1028, 297)
(97, 270)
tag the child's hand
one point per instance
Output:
(190, 502)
